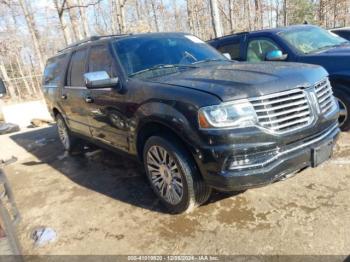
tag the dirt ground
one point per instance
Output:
(102, 204)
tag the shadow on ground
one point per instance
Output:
(105, 172)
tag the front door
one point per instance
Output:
(258, 48)
(106, 106)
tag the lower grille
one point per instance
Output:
(283, 112)
(325, 96)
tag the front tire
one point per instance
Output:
(173, 175)
(343, 100)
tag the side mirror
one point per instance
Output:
(227, 55)
(100, 79)
(275, 55)
(3, 90)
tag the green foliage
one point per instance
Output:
(300, 11)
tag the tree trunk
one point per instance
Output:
(138, 11)
(256, 15)
(334, 13)
(73, 16)
(285, 19)
(64, 27)
(84, 21)
(155, 18)
(118, 16)
(231, 15)
(25, 82)
(113, 9)
(33, 33)
(215, 17)
(176, 17)
(190, 15)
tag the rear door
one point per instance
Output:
(54, 78)
(74, 94)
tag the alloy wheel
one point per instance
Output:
(63, 133)
(343, 112)
(165, 175)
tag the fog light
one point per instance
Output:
(239, 161)
(250, 160)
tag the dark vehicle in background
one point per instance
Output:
(3, 90)
(303, 44)
(343, 32)
(196, 119)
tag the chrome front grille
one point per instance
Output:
(324, 95)
(283, 112)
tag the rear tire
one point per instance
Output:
(343, 99)
(68, 141)
(173, 175)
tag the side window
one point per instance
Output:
(77, 68)
(257, 49)
(100, 59)
(54, 69)
(233, 49)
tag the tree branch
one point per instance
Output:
(81, 6)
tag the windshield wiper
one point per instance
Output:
(161, 66)
(325, 48)
(209, 60)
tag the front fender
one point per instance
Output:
(341, 78)
(177, 116)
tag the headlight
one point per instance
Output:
(236, 114)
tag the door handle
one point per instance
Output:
(89, 99)
(64, 96)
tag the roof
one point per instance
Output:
(269, 30)
(109, 37)
(340, 29)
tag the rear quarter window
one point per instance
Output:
(233, 49)
(53, 73)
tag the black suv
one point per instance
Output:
(194, 118)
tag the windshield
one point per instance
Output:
(164, 54)
(312, 39)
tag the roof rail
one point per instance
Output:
(89, 39)
(232, 34)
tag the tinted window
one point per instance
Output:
(139, 53)
(100, 59)
(343, 34)
(77, 68)
(233, 49)
(257, 49)
(53, 72)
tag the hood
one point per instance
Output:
(231, 81)
(340, 50)
(335, 60)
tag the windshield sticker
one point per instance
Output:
(194, 39)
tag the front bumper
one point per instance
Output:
(285, 162)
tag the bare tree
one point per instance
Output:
(64, 27)
(121, 15)
(190, 15)
(155, 17)
(285, 7)
(215, 16)
(74, 18)
(82, 11)
(33, 32)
